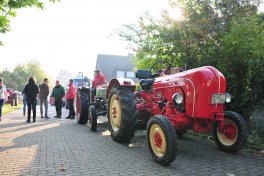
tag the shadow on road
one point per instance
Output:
(26, 126)
(65, 147)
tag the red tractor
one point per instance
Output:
(170, 103)
(13, 97)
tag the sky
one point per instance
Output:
(68, 35)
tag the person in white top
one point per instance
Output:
(2, 96)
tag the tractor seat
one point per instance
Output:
(146, 84)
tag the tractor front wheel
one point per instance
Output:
(121, 114)
(162, 140)
(231, 135)
(92, 118)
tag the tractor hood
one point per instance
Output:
(198, 86)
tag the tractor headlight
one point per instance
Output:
(177, 98)
(228, 97)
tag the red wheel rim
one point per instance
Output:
(158, 140)
(228, 133)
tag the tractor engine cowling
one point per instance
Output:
(101, 91)
(202, 89)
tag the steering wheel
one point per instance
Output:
(161, 63)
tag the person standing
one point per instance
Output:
(70, 96)
(43, 97)
(2, 96)
(31, 91)
(58, 93)
(24, 103)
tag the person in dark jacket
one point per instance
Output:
(43, 97)
(31, 91)
(58, 93)
(70, 96)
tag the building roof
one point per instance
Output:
(110, 64)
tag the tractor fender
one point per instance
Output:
(123, 82)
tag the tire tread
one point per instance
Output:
(129, 119)
(242, 133)
(170, 136)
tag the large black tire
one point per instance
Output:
(162, 140)
(121, 114)
(82, 105)
(233, 144)
(92, 118)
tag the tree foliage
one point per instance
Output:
(224, 34)
(241, 59)
(8, 10)
(18, 77)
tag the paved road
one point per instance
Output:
(62, 147)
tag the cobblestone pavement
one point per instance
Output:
(62, 147)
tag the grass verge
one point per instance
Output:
(8, 108)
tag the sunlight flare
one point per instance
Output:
(175, 13)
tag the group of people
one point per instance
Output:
(32, 91)
(58, 93)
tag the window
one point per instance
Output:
(120, 74)
(130, 74)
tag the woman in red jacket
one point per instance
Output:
(70, 96)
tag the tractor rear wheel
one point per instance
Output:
(121, 114)
(82, 105)
(162, 140)
(232, 136)
(92, 118)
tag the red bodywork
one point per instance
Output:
(52, 103)
(123, 82)
(9, 94)
(197, 87)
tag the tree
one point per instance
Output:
(17, 78)
(228, 35)
(211, 33)
(8, 9)
(191, 40)
(242, 61)
(8, 78)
